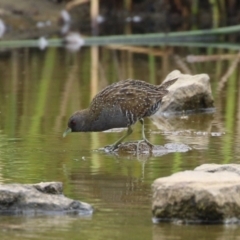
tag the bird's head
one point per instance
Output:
(78, 122)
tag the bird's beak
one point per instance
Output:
(67, 131)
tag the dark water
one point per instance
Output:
(39, 90)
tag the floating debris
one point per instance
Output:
(100, 19)
(2, 28)
(128, 19)
(42, 24)
(65, 17)
(48, 23)
(42, 43)
(217, 134)
(135, 19)
(184, 117)
(73, 41)
(65, 21)
(65, 29)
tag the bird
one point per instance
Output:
(120, 104)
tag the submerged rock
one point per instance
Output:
(188, 93)
(144, 149)
(209, 193)
(43, 198)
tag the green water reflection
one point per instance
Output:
(39, 90)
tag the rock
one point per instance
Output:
(41, 198)
(188, 93)
(209, 194)
(51, 188)
(219, 168)
(144, 149)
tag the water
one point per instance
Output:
(40, 90)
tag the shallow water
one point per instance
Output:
(40, 90)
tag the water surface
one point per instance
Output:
(39, 90)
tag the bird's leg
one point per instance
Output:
(143, 136)
(115, 145)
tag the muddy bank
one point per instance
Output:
(32, 19)
(29, 18)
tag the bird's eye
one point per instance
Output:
(73, 122)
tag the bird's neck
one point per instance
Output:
(86, 119)
(90, 121)
(95, 122)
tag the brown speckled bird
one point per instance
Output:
(120, 104)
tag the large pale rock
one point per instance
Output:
(44, 198)
(209, 193)
(188, 93)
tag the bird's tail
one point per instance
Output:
(167, 84)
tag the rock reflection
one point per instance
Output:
(193, 129)
(39, 224)
(172, 231)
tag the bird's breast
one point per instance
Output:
(113, 117)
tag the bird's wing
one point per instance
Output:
(137, 99)
(134, 98)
